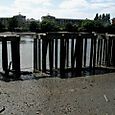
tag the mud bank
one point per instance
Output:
(94, 95)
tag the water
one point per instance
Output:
(26, 53)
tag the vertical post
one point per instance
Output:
(15, 49)
(51, 50)
(4, 57)
(94, 56)
(78, 54)
(35, 54)
(44, 52)
(72, 53)
(98, 50)
(100, 55)
(62, 55)
(39, 53)
(56, 53)
(91, 52)
(113, 53)
(67, 50)
(85, 52)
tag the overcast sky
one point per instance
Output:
(58, 8)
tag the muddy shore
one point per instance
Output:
(94, 95)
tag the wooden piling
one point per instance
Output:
(44, 52)
(35, 54)
(62, 55)
(15, 49)
(56, 53)
(85, 52)
(51, 52)
(4, 57)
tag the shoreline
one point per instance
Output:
(91, 95)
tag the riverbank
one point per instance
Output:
(92, 95)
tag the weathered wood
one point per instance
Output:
(113, 53)
(62, 55)
(39, 54)
(44, 52)
(4, 57)
(35, 54)
(72, 53)
(78, 54)
(94, 55)
(56, 53)
(100, 53)
(15, 49)
(67, 52)
(85, 52)
(98, 50)
(91, 53)
(51, 52)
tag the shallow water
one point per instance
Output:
(26, 53)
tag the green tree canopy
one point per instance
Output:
(48, 25)
(2, 27)
(13, 24)
(34, 26)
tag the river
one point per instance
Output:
(26, 53)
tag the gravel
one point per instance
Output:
(55, 96)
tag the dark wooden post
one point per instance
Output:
(67, 51)
(78, 54)
(85, 51)
(62, 55)
(94, 56)
(113, 53)
(15, 49)
(56, 53)
(39, 53)
(4, 57)
(91, 53)
(44, 51)
(72, 53)
(51, 52)
(35, 54)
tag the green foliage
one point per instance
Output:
(2, 27)
(104, 19)
(13, 24)
(48, 26)
(91, 25)
(71, 27)
(34, 26)
(86, 25)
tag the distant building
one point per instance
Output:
(20, 18)
(62, 21)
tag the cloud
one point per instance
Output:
(61, 8)
(71, 4)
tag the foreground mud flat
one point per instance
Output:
(94, 95)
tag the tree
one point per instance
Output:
(2, 27)
(48, 26)
(87, 25)
(71, 27)
(13, 24)
(34, 26)
(96, 17)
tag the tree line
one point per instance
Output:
(100, 23)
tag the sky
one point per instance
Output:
(79, 9)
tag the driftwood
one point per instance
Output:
(3, 109)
